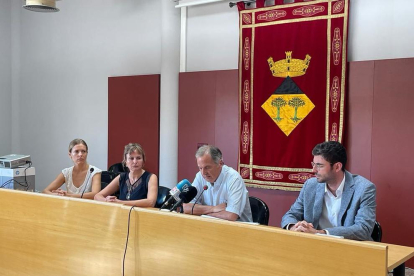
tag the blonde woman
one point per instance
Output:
(82, 180)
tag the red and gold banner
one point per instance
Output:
(292, 76)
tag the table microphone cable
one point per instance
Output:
(24, 184)
(25, 176)
(126, 243)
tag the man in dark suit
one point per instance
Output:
(334, 202)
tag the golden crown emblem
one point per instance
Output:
(291, 67)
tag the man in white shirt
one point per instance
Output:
(333, 202)
(226, 196)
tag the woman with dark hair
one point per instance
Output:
(82, 179)
(137, 187)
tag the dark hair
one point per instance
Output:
(332, 152)
(75, 142)
(214, 152)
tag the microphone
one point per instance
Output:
(185, 197)
(89, 176)
(175, 192)
(205, 187)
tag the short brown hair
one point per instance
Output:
(130, 148)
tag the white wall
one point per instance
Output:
(381, 29)
(5, 77)
(65, 61)
(378, 29)
(212, 37)
(170, 45)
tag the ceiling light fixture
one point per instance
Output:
(41, 5)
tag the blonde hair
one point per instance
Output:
(75, 142)
(130, 148)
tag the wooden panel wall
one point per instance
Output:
(379, 140)
(377, 136)
(133, 116)
(392, 148)
(207, 114)
(358, 123)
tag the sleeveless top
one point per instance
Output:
(67, 173)
(139, 189)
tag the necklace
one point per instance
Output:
(131, 187)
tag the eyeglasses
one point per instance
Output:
(318, 165)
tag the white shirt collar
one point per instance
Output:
(340, 189)
(219, 178)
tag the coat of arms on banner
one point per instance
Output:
(292, 73)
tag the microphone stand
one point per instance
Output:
(205, 187)
(176, 205)
(86, 184)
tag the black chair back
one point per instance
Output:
(107, 177)
(377, 232)
(163, 196)
(117, 168)
(260, 211)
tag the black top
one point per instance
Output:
(137, 190)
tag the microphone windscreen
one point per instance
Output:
(182, 184)
(91, 170)
(189, 195)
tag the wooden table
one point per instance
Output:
(49, 235)
(397, 256)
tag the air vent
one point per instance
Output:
(41, 5)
